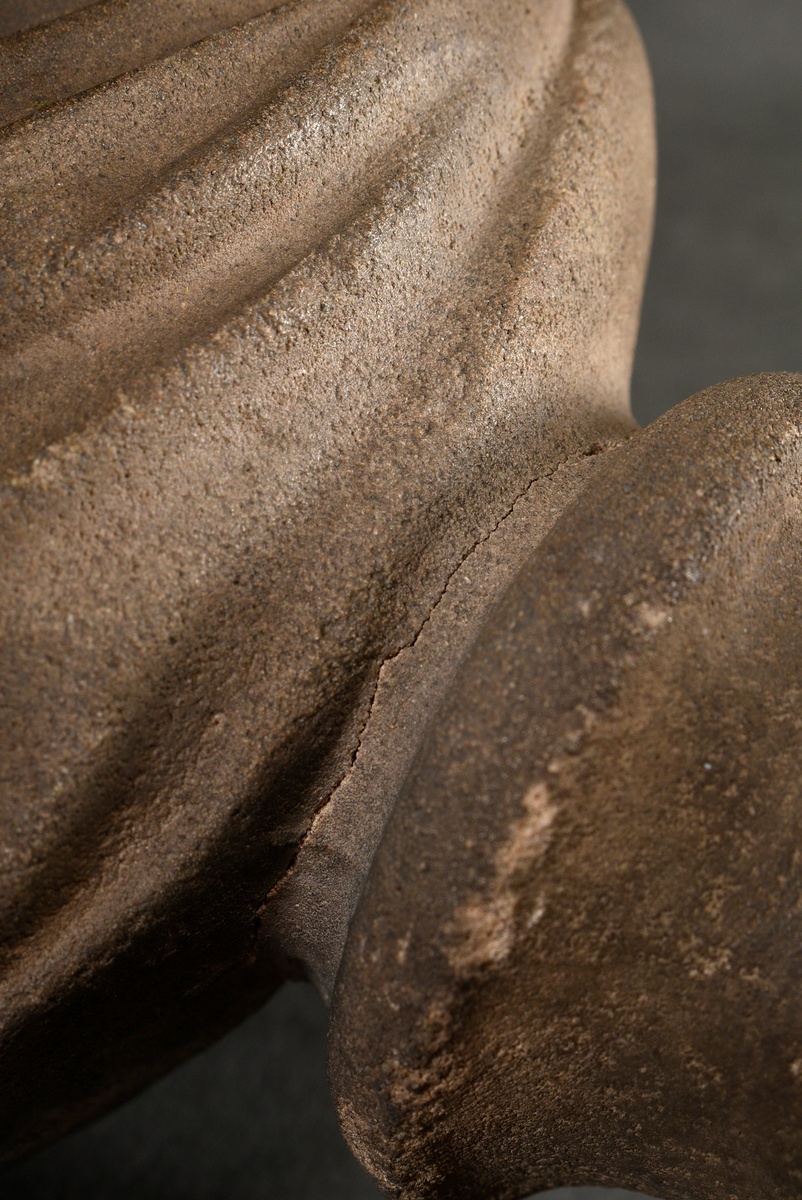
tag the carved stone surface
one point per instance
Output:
(577, 955)
(347, 630)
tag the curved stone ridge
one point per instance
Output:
(302, 307)
(346, 629)
(94, 41)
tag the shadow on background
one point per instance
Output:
(252, 1117)
(249, 1119)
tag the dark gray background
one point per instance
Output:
(251, 1118)
(724, 296)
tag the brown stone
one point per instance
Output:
(577, 956)
(348, 631)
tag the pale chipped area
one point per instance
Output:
(703, 961)
(403, 948)
(651, 616)
(484, 927)
(530, 836)
(537, 914)
(796, 1068)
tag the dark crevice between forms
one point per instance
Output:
(290, 967)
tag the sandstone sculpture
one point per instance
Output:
(349, 629)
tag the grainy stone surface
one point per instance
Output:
(577, 956)
(348, 632)
(302, 309)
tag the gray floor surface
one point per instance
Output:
(251, 1118)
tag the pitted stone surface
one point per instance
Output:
(297, 303)
(576, 959)
(348, 628)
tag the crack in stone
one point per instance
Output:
(597, 447)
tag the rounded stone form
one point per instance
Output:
(304, 308)
(577, 957)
